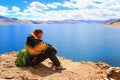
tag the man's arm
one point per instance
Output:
(31, 41)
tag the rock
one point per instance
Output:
(114, 73)
(44, 71)
(103, 65)
(9, 76)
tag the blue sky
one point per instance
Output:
(61, 9)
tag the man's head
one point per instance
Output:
(38, 33)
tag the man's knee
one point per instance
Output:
(51, 49)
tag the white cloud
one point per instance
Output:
(92, 4)
(80, 4)
(74, 9)
(25, 1)
(3, 10)
(15, 9)
(84, 14)
(37, 6)
(69, 5)
(87, 14)
(51, 6)
(57, 3)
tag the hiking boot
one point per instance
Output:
(60, 68)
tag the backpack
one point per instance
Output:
(22, 58)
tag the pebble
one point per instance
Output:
(9, 76)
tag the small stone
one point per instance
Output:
(103, 65)
(118, 68)
(9, 76)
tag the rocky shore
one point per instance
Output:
(75, 70)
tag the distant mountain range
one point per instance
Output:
(7, 20)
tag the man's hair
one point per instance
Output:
(37, 31)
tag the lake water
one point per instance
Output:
(79, 42)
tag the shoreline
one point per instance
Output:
(84, 70)
(109, 24)
(113, 24)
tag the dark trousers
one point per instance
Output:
(49, 53)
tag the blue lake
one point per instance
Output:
(79, 42)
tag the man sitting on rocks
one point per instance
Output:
(36, 51)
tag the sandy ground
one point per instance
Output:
(44, 71)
